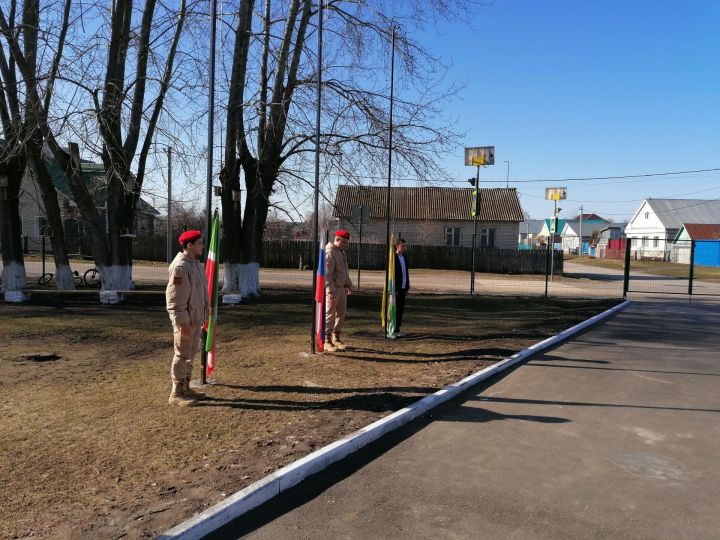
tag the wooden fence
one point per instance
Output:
(300, 254)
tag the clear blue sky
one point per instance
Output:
(583, 88)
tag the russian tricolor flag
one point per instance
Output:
(320, 301)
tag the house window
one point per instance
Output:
(656, 241)
(452, 236)
(644, 241)
(43, 229)
(487, 238)
(647, 215)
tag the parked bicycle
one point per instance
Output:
(91, 278)
(47, 277)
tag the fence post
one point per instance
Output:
(626, 273)
(359, 249)
(692, 267)
(43, 256)
(472, 264)
(547, 267)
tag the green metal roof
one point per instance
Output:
(93, 174)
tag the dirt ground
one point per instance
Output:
(91, 449)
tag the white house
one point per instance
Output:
(656, 223)
(529, 233)
(573, 230)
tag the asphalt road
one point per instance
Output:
(615, 434)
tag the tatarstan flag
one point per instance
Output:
(211, 272)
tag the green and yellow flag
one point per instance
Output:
(388, 316)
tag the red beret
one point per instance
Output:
(342, 233)
(189, 236)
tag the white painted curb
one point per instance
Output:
(231, 298)
(16, 297)
(266, 488)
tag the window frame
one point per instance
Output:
(452, 236)
(487, 238)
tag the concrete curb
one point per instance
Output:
(266, 488)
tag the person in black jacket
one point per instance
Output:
(402, 283)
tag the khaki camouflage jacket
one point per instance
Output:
(337, 274)
(186, 296)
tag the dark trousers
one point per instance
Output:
(400, 305)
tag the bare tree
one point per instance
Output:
(270, 120)
(21, 124)
(12, 168)
(126, 112)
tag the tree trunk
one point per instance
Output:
(13, 278)
(256, 211)
(64, 278)
(116, 273)
(232, 228)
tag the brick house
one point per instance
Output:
(433, 215)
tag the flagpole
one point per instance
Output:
(211, 142)
(390, 142)
(317, 170)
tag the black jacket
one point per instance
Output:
(398, 273)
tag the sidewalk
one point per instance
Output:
(613, 435)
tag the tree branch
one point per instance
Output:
(164, 85)
(136, 112)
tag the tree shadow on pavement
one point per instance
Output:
(555, 358)
(476, 414)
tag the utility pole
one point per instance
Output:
(554, 194)
(477, 156)
(507, 178)
(581, 237)
(475, 223)
(169, 205)
(552, 241)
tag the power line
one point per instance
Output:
(534, 180)
(614, 201)
(622, 177)
(700, 203)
